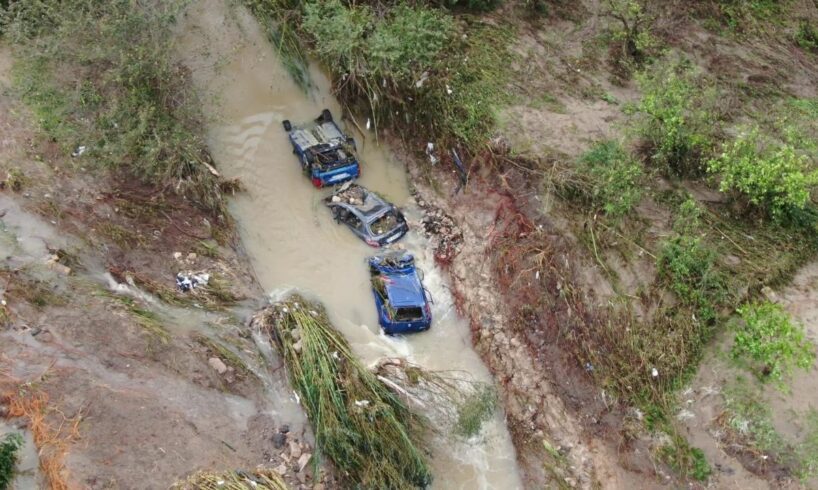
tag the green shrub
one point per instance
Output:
(687, 266)
(776, 178)
(614, 178)
(770, 343)
(8, 458)
(807, 36)
(674, 121)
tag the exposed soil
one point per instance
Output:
(151, 384)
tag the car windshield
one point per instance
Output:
(408, 313)
(384, 223)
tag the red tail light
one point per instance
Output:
(372, 243)
(317, 182)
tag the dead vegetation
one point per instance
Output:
(53, 432)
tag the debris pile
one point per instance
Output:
(191, 280)
(259, 479)
(368, 431)
(350, 194)
(440, 227)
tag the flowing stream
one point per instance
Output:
(291, 238)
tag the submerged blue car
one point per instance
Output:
(327, 155)
(401, 300)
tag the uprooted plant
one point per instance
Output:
(368, 431)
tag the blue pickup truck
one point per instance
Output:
(401, 300)
(327, 155)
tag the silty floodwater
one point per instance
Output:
(290, 236)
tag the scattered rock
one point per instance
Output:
(217, 364)
(284, 429)
(281, 469)
(295, 450)
(303, 460)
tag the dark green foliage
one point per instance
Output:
(8, 458)
(473, 5)
(675, 121)
(687, 266)
(101, 75)
(614, 178)
(807, 36)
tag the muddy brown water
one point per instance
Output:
(291, 238)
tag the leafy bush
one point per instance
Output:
(771, 343)
(807, 36)
(102, 75)
(776, 178)
(687, 266)
(8, 458)
(674, 121)
(615, 178)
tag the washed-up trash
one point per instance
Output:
(430, 151)
(189, 280)
(79, 151)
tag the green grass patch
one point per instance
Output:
(102, 75)
(686, 460)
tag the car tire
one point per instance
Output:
(326, 115)
(287, 126)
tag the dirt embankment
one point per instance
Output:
(124, 380)
(528, 283)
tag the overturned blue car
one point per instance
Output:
(327, 155)
(401, 300)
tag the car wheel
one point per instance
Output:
(287, 126)
(326, 115)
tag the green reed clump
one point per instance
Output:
(370, 434)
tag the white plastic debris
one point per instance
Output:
(430, 149)
(448, 89)
(361, 403)
(654, 372)
(368, 123)
(190, 280)
(79, 151)
(423, 77)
